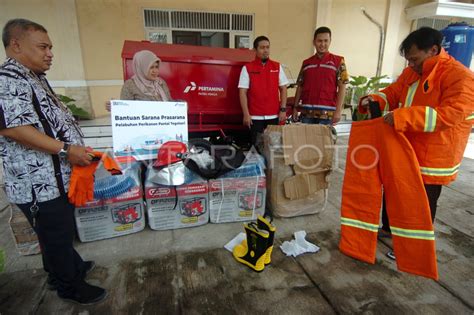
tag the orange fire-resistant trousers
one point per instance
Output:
(378, 155)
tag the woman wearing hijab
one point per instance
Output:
(145, 84)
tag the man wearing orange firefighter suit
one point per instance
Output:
(432, 103)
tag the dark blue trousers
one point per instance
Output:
(55, 228)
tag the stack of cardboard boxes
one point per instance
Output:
(299, 160)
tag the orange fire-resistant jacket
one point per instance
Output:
(436, 113)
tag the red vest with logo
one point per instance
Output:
(320, 80)
(263, 94)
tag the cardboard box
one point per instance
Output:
(121, 215)
(299, 160)
(175, 207)
(25, 238)
(304, 185)
(238, 195)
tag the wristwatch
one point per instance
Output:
(63, 152)
(282, 109)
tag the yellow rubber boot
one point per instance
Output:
(253, 253)
(263, 224)
(241, 249)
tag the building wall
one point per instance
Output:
(64, 32)
(290, 28)
(357, 38)
(88, 35)
(288, 24)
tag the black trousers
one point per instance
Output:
(432, 191)
(258, 126)
(56, 230)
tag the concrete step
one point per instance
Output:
(97, 133)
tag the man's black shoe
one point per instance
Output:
(52, 283)
(85, 294)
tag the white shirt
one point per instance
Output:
(244, 81)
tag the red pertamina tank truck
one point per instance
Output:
(206, 78)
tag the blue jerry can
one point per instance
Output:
(458, 41)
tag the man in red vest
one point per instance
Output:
(262, 91)
(321, 83)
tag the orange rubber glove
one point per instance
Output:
(81, 186)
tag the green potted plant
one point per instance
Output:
(361, 86)
(77, 112)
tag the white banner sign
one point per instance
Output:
(139, 128)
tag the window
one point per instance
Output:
(158, 36)
(228, 30)
(242, 41)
